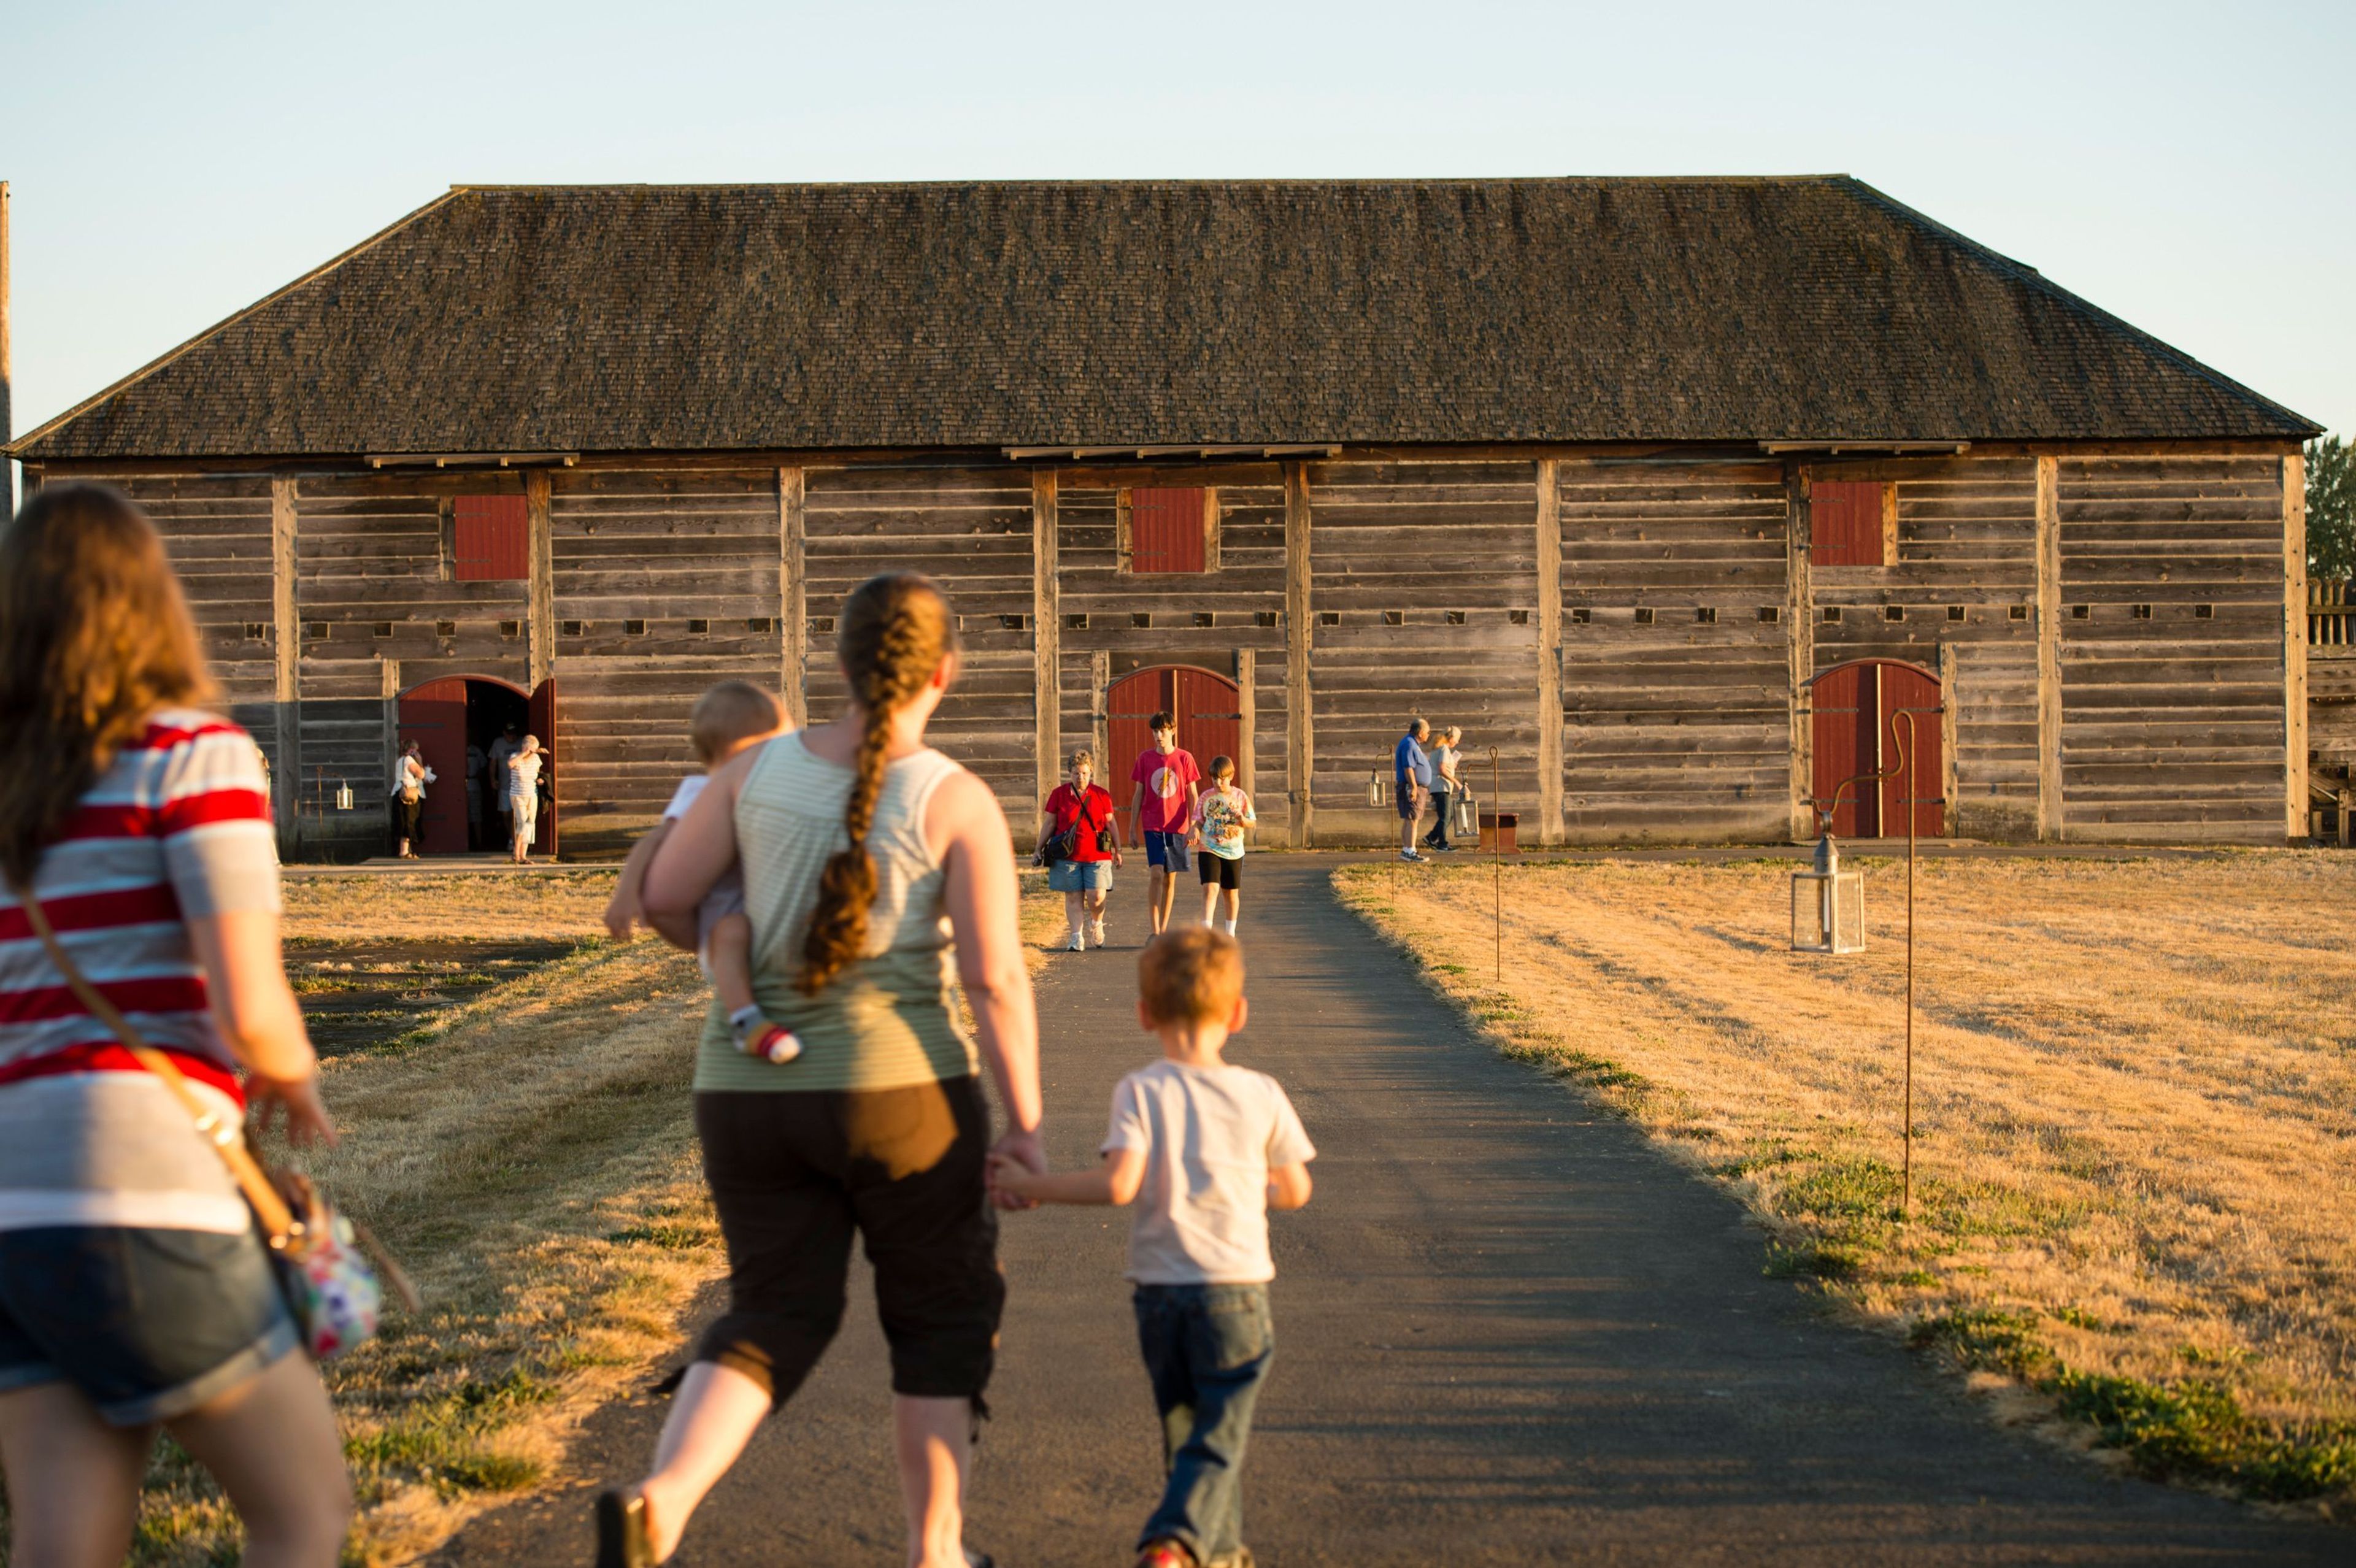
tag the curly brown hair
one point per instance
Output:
(94, 637)
(893, 635)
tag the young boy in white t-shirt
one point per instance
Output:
(726, 720)
(1207, 1150)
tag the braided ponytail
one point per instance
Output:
(894, 632)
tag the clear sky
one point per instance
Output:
(2188, 167)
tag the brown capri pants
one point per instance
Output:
(794, 1174)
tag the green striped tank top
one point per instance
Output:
(886, 1021)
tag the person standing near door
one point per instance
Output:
(409, 777)
(503, 748)
(1411, 782)
(523, 797)
(1447, 789)
(1168, 780)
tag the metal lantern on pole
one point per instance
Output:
(343, 794)
(1374, 786)
(1828, 908)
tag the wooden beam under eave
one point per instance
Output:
(1549, 654)
(2294, 515)
(2051, 822)
(793, 595)
(1300, 745)
(1046, 634)
(539, 643)
(1800, 648)
(286, 652)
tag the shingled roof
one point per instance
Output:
(614, 319)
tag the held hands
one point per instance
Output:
(622, 917)
(307, 1121)
(1013, 1160)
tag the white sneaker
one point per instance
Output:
(1095, 933)
(1410, 855)
(1076, 944)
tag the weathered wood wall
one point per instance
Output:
(2172, 719)
(1686, 615)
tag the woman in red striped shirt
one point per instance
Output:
(134, 1292)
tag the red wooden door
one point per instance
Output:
(541, 720)
(1165, 529)
(1207, 708)
(1858, 731)
(434, 716)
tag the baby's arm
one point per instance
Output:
(623, 912)
(1115, 1181)
(1288, 1186)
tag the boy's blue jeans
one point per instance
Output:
(1207, 1349)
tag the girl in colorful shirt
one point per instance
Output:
(1221, 816)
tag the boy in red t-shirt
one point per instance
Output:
(1167, 782)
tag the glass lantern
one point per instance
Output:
(1374, 786)
(1827, 904)
(343, 794)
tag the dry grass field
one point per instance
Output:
(2135, 1112)
(526, 1148)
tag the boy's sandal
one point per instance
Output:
(623, 1541)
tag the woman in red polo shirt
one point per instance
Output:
(1082, 874)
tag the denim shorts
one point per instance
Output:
(1166, 851)
(149, 1324)
(1080, 876)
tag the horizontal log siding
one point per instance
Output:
(2331, 703)
(1249, 584)
(1677, 730)
(2172, 727)
(217, 533)
(1421, 539)
(662, 550)
(971, 530)
(1967, 538)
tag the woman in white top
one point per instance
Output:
(523, 796)
(409, 777)
(1446, 787)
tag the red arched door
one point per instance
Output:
(1209, 712)
(442, 717)
(1858, 731)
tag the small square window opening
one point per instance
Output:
(1075, 623)
(1644, 615)
(1263, 617)
(1769, 614)
(1329, 617)
(699, 628)
(2204, 611)
(1954, 611)
(1706, 615)
(1517, 617)
(382, 629)
(1203, 618)
(510, 628)
(1832, 614)
(254, 631)
(1141, 619)
(2143, 612)
(634, 628)
(1579, 615)
(1393, 617)
(1456, 617)
(569, 628)
(2016, 611)
(449, 628)
(1893, 612)
(2082, 611)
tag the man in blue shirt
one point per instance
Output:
(1411, 782)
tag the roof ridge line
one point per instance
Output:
(459, 187)
(170, 355)
(2070, 299)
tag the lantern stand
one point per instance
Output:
(1498, 866)
(1826, 871)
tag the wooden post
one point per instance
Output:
(2294, 517)
(1948, 787)
(1100, 717)
(287, 692)
(1046, 634)
(1549, 651)
(1800, 648)
(1247, 702)
(793, 595)
(389, 672)
(540, 645)
(1300, 719)
(2050, 826)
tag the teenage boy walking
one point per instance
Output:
(1167, 780)
(1411, 782)
(1206, 1149)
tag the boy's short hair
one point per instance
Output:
(1162, 721)
(1192, 975)
(730, 711)
(1221, 765)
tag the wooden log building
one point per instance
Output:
(1672, 490)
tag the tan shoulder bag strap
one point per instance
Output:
(225, 1137)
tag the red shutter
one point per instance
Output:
(1165, 529)
(494, 540)
(1844, 523)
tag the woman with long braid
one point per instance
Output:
(875, 871)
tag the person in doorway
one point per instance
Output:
(477, 764)
(523, 798)
(1411, 782)
(135, 1293)
(734, 716)
(1205, 1149)
(502, 750)
(1082, 814)
(1446, 787)
(877, 872)
(1221, 816)
(409, 777)
(1168, 781)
